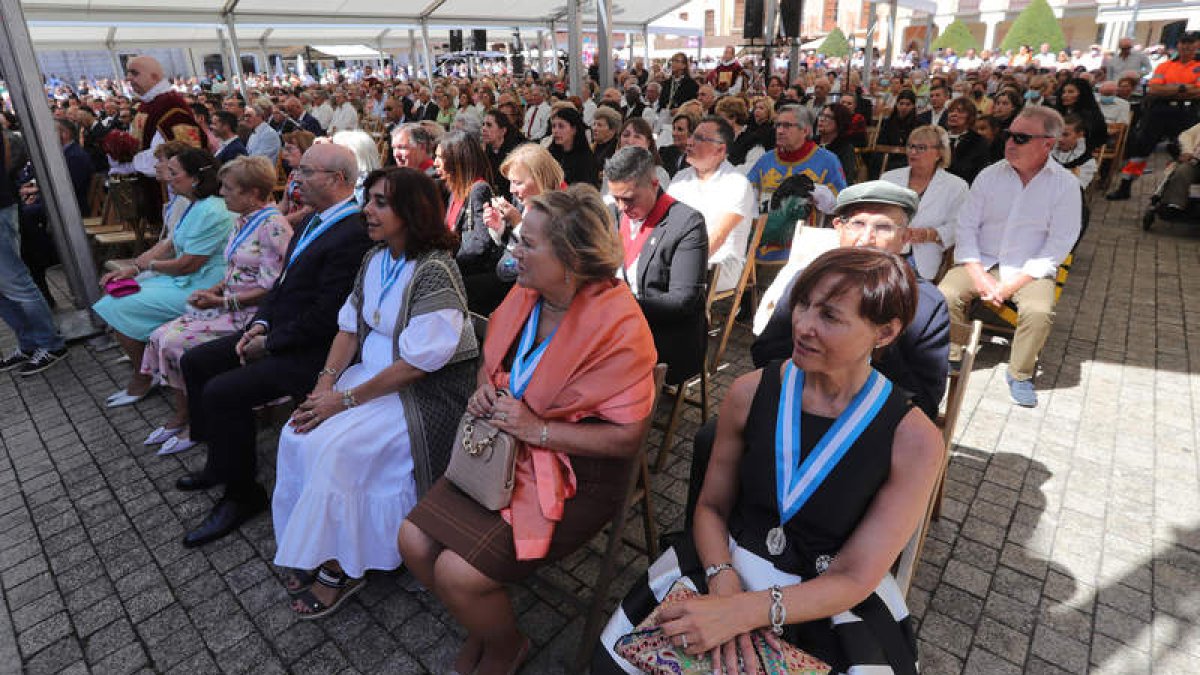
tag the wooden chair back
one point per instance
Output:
(745, 279)
(638, 475)
(968, 337)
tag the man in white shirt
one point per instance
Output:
(263, 140)
(537, 115)
(322, 110)
(1046, 58)
(345, 117)
(1020, 221)
(655, 112)
(1115, 109)
(725, 198)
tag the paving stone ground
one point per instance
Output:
(1069, 540)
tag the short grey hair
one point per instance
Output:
(418, 134)
(630, 164)
(469, 122)
(653, 85)
(1051, 121)
(805, 117)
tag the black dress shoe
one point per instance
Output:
(225, 517)
(195, 481)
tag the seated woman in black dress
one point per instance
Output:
(810, 554)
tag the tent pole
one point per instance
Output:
(699, 48)
(412, 55)
(893, 7)
(769, 40)
(29, 102)
(541, 61)
(236, 55)
(575, 47)
(428, 57)
(118, 72)
(869, 49)
(604, 59)
(554, 49)
(646, 45)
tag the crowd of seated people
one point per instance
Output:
(347, 288)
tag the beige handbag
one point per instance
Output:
(483, 462)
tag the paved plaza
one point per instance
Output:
(1069, 540)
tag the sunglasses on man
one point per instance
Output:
(1020, 138)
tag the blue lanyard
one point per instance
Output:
(313, 232)
(389, 271)
(183, 218)
(528, 357)
(795, 485)
(257, 218)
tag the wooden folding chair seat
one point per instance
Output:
(968, 337)
(95, 197)
(123, 200)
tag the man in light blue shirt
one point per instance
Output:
(263, 140)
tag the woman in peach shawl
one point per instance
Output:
(567, 371)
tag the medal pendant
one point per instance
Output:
(776, 540)
(376, 316)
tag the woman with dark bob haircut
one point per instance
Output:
(851, 466)
(377, 428)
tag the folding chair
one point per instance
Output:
(1002, 319)
(969, 338)
(747, 277)
(638, 475)
(123, 200)
(1111, 154)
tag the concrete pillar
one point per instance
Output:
(990, 21)
(428, 55)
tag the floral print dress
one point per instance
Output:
(256, 263)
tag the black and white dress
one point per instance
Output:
(876, 636)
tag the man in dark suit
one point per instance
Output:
(299, 118)
(939, 96)
(873, 214)
(666, 258)
(285, 346)
(224, 127)
(79, 163)
(425, 109)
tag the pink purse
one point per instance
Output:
(119, 288)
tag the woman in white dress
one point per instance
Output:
(377, 429)
(931, 231)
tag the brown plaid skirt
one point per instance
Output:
(482, 538)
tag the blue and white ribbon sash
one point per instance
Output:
(257, 218)
(310, 235)
(795, 485)
(528, 356)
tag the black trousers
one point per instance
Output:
(222, 395)
(1163, 120)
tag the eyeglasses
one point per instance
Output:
(786, 125)
(918, 147)
(857, 226)
(697, 138)
(1020, 138)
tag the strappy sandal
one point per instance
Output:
(296, 581)
(314, 608)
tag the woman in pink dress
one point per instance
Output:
(254, 259)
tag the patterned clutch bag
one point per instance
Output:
(650, 650)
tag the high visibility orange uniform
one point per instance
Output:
(1176, 72)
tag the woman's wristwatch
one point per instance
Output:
(348, 399)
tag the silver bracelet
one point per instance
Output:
(545, 435)
(778, 613)
(713, 570)
(328, 371)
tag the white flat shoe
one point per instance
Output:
(162, 435)
(124, 398)
(175, 444)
